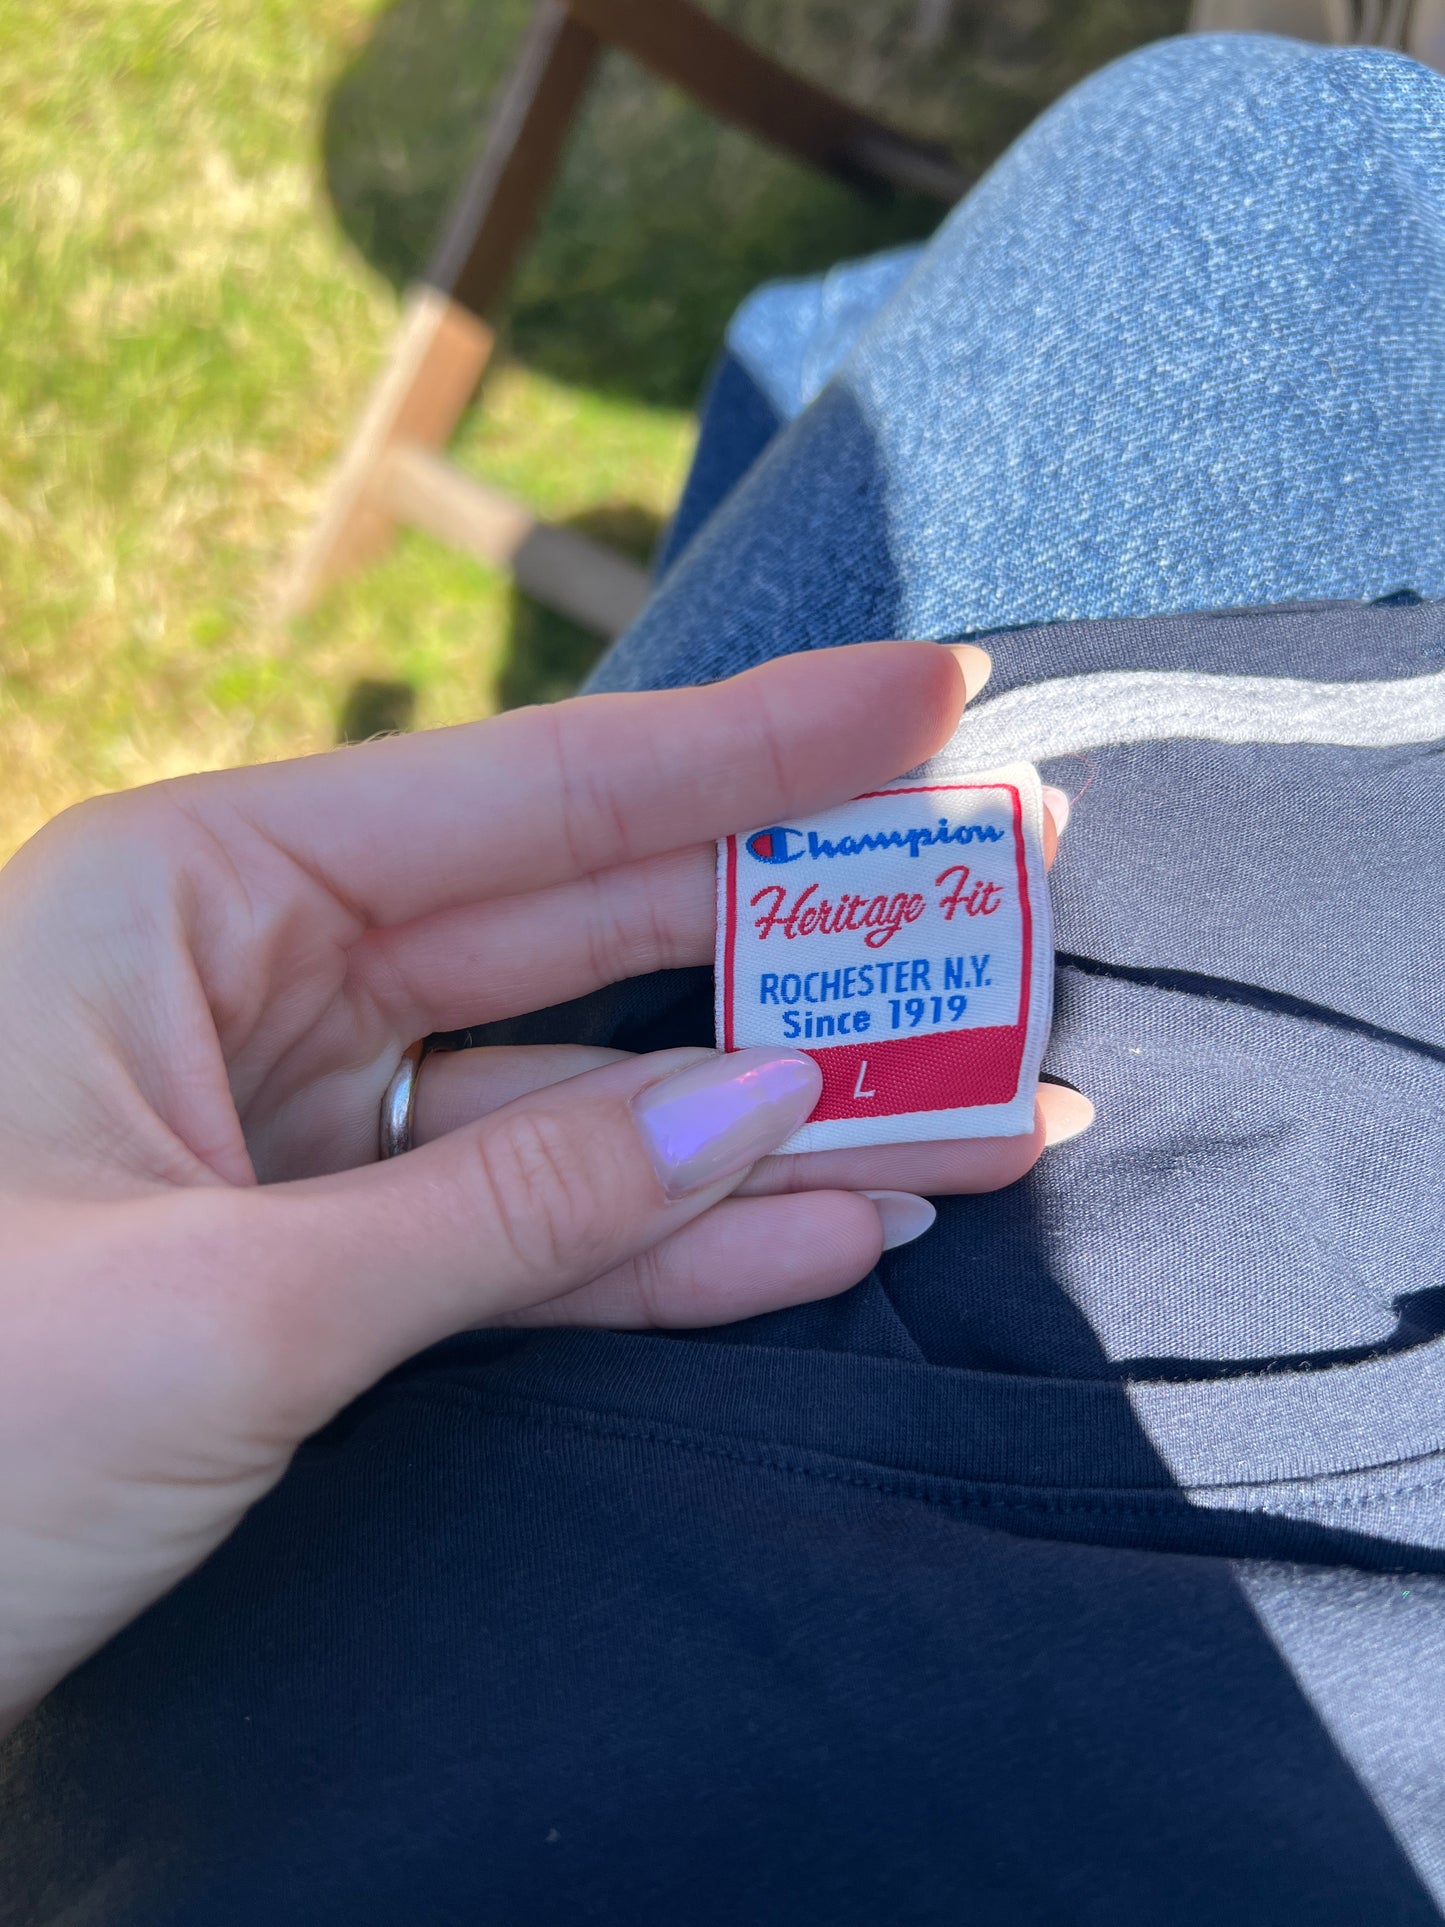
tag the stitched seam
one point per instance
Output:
(1351, 1501)
(931, 1489)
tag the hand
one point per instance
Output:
(204, 989)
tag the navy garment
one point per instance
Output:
(1086, 1563)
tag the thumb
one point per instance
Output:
(519, 1207)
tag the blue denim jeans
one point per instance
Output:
(1183, 348)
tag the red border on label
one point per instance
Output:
(988, 1058)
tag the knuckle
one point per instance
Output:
(628, 934)
(552, 1194)
(658, 1290)
(85, 829)
(92, 841)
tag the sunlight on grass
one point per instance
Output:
(208, 208)
(186, 336)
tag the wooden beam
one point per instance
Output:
(435, 364)
(498, 207)
(680, 43)
(445, 339)
(444, 342)
(595, 586)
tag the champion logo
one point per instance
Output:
(778, 845)
(920, 989)
(782, 844)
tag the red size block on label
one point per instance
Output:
(903, 941)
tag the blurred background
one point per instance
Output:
(208, 209)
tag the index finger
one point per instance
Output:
(417, 824)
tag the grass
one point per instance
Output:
(207, 209)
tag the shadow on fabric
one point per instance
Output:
(503, 1654)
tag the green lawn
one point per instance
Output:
(207, 211)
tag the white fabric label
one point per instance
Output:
(903, 941)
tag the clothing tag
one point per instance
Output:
(904, 942)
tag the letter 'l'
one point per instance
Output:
(858, 1090)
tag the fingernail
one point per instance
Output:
(1066, 1113)
(904, 1216)
(1057, 805)
(716, 1118)
(976, 664)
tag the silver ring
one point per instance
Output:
(398, 1107)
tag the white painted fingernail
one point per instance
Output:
(1066, 1112)
(976, 665)
(904, 1216)
(1057, 805)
